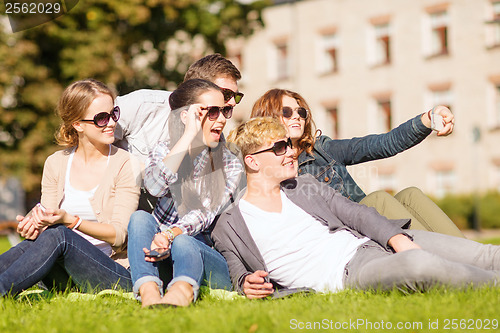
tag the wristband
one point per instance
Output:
(77, 224)
(169, 234)
(72, 225)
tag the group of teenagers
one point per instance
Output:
(149, 196)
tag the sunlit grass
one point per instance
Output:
(353, 310)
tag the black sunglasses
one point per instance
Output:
(214, 111)
(102, 118)
(288, 112)
(279, 147)
(228, 94)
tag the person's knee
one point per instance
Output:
(380, 194)
(409, 193)
(57, 234)
(378, 199)
(139, 220)
(183, 241)
(184, 245)
(57, 230)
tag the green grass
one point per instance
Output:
(353, 309)
(494, 241)
(116, 314)
(4, 244)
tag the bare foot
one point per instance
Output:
(179, 294)
(150, 294)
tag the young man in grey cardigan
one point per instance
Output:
(290, 232)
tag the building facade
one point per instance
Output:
(366, 66)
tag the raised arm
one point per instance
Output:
(164, 162)
(378, 146)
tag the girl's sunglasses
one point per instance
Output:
(279, 148)
(288, 112)
(228, 94)
(102, 118)
(214, 111)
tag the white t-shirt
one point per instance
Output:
(143, 121)
(77, 202)
(298, 250)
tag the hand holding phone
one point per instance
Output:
(40, 206)
(437, 122)
(27, 227)
(158, 254)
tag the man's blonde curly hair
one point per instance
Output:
(255, 133)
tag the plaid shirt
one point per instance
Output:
(157, 179)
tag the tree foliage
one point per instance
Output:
(128, 44)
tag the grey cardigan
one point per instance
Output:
(233, 240)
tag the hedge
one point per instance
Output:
(461, 209)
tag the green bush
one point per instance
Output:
(462, 208)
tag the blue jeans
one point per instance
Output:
(193, 261)
(57, 255)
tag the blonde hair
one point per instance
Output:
(255, 133)
(73, 105)
(271, 104)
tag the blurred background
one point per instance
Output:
(364, 66)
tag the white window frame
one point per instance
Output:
(445, 181)
(325, 42)
(432, 45)
(376, 52)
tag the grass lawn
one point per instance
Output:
(347, 311)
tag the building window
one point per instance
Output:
(493, 25)
(333, 112)
(328, 53)
(384, 115)
(282, 61)
(445, 182)
(442, 97)
(440, 94)
(382, 44)
(439, 33)
(387, 182)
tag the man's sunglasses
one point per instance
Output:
(288, 112)
(214, 111)
(279, 147)
(102, 118)
(228, 94)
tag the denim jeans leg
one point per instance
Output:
(11, 256)
(86, 264)
(198, 264)
(141, 230)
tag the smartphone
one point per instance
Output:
(156, 254)
(39, 205)
(437, 123)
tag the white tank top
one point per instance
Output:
(77, 202)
